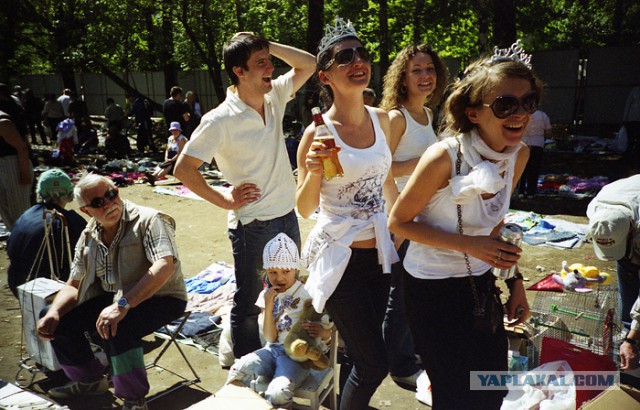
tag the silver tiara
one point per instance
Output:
(514, 53)
(332, 35)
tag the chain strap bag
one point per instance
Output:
(488, 311)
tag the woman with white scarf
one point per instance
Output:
(452, 210)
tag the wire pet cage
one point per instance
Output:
(587, 320)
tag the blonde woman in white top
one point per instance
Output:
(412, 87)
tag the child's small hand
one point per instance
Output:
(270, 297)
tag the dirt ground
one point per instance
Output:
(202, 239)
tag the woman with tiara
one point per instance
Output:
(452, 210)
(350, 249)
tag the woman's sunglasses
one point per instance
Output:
(99, 202)
(347, 55)
(506, 105)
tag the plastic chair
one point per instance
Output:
(320, 383)
(171, 339)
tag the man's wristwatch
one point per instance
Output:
(123, 303)
(632, 342)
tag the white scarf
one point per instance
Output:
(486, 176)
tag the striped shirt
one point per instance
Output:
(159, 242)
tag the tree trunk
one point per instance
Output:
(124, 85)
(504, 23)
(618, 17)
(170, 67)
(483, 25)
(207, 55)
(418, 21)
(384, 36)
(316, 25)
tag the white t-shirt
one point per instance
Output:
(287, 308)
(534, 134)
(413, 143)
(249, 151)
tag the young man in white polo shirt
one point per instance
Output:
(244, 135)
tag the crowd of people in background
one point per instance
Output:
(40, 119)
(401, 272)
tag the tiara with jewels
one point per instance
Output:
(514, 53)
(332, 35)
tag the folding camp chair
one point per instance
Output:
(171, 336)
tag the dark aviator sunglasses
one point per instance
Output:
(347, 55)
(99, 202)
(506, 105)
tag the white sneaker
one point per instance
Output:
(423, 391)
(408, 380)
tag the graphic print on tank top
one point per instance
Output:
(365, 193)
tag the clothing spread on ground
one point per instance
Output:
(549, 231)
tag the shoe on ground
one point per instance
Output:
(150, 178)
(409, 381)
(73, 389)
(140, 404)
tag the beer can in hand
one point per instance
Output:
(509, 233)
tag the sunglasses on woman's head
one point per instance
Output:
(347, 55)
(99, 202)
(506, 105)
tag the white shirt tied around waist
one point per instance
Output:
(351, 209)
(327, 251)
(479, 216)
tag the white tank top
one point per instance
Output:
(478, 218)
(413, 143)
(359, 193)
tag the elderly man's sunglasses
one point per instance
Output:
(347, 55)
(506, 105)
(99, 202)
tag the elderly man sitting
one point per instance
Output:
(55, 191)
(125, 283)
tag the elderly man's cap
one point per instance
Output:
(609, 229)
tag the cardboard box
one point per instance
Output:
(615, 397)
(33, 297)
(15, 397)
(232, 396)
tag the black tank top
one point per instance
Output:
(6, 149)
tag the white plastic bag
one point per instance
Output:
(543, 397)
(225, 345)
(423, 389)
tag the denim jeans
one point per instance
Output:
(248, 242)
(357, 308)
(397, 337)
(270, 362)
(440, 314)
(628, 288)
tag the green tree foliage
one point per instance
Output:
(67, 36)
